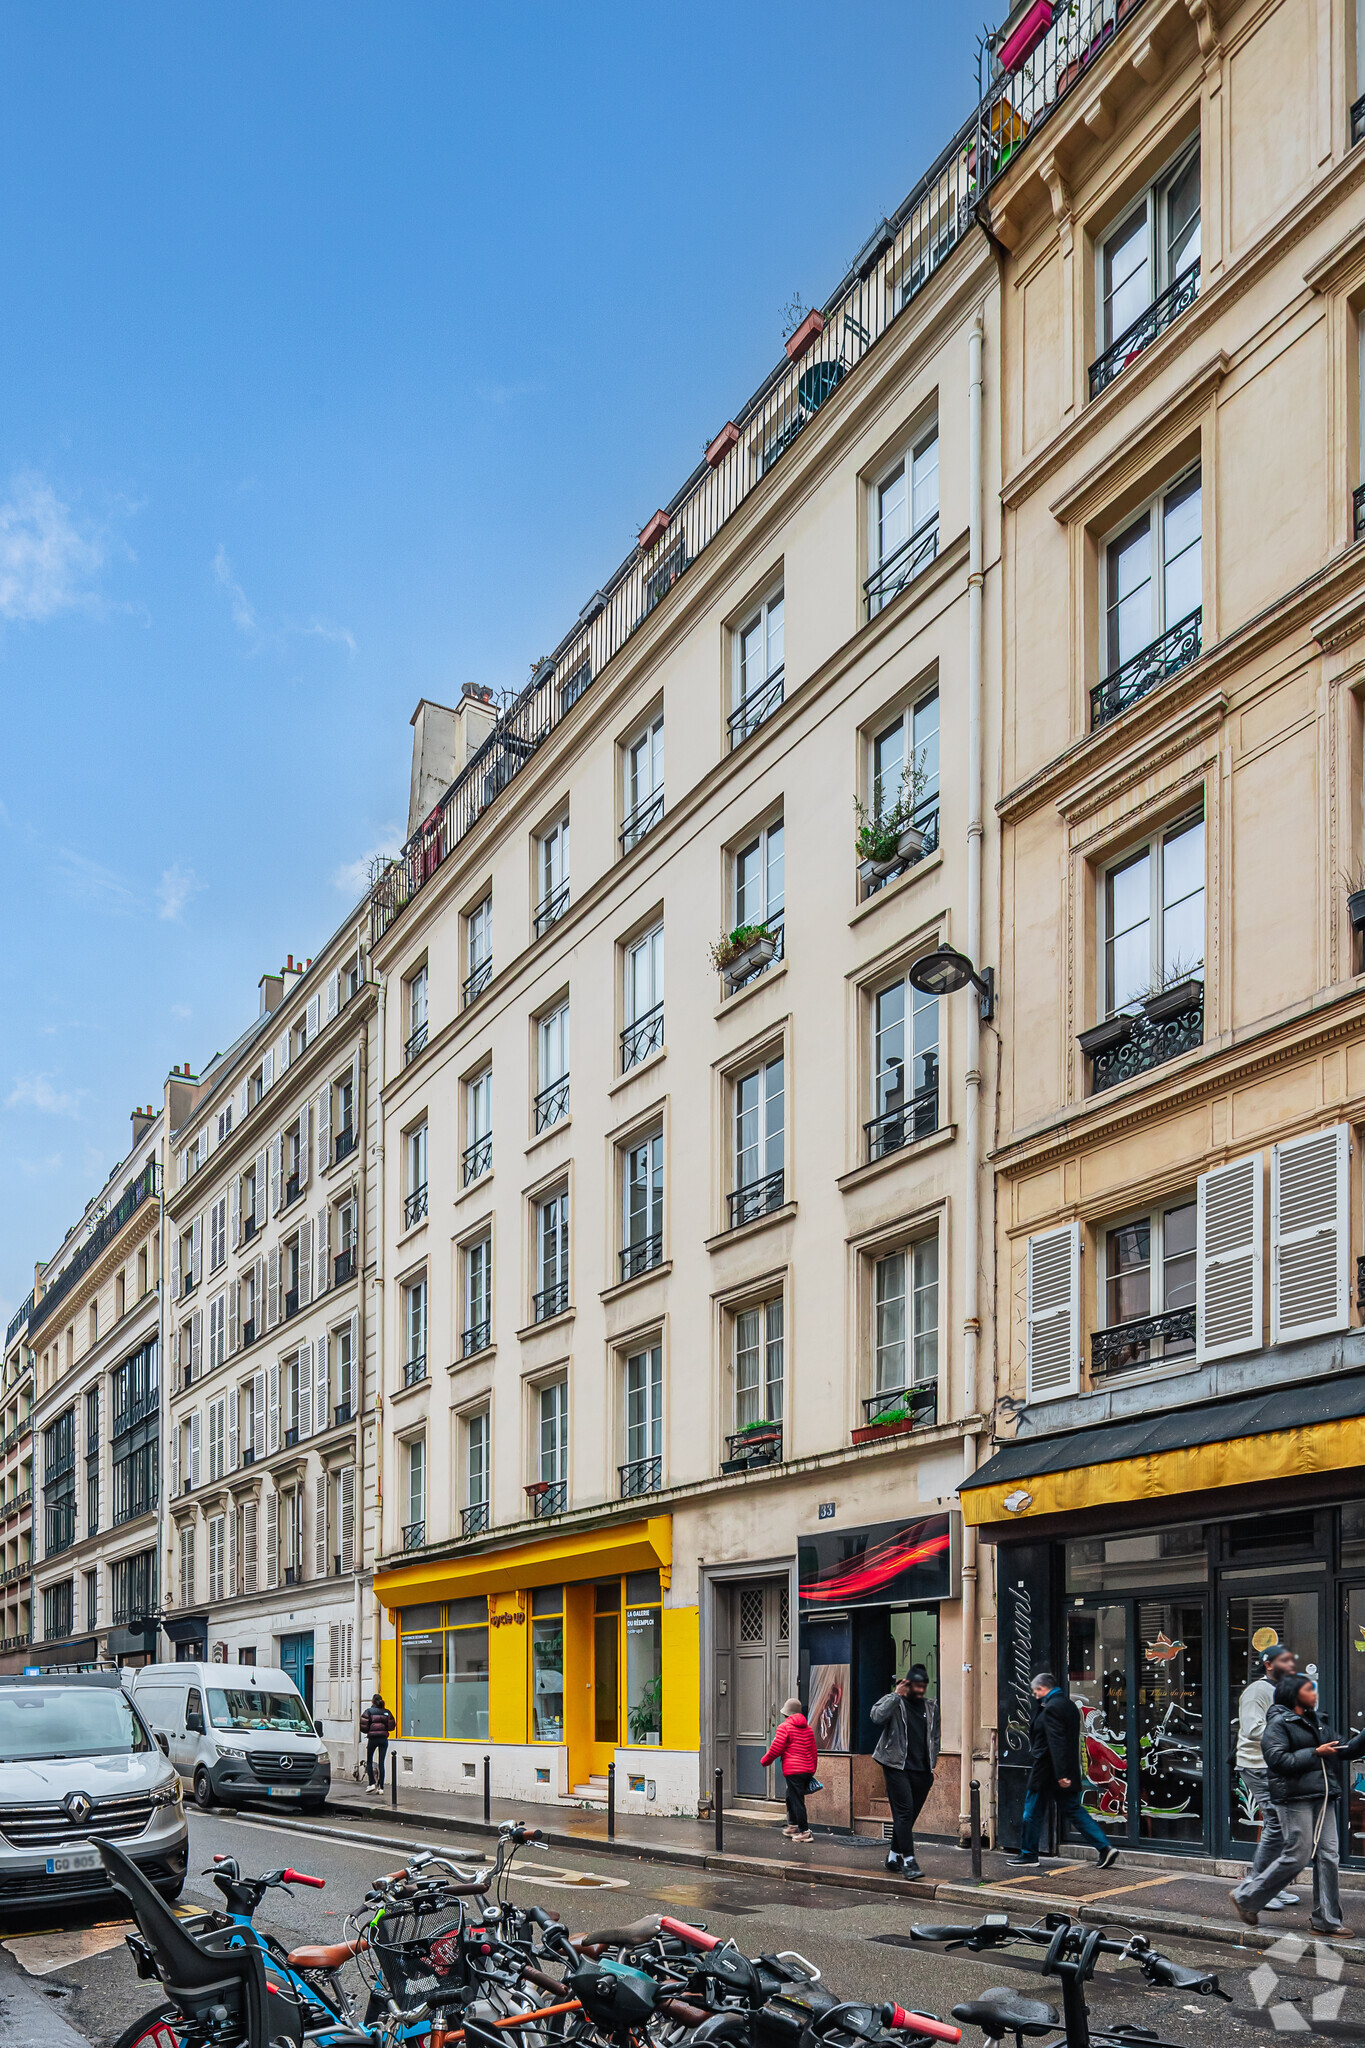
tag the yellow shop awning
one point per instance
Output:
(596, 1553)
(1285, 1433)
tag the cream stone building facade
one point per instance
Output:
(685, 1296)
(270, 1448)
(1182, 1418)
(16, 1491)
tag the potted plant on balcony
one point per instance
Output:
(743, 951)
(1178, 987)
(887, 838)
(1107, 1035)
(1354, 879)
(893, 1420)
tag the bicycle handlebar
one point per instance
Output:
(906, 2022)
(299, 1877)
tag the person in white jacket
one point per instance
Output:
(1276, 1663)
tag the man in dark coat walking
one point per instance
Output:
(1055, 1774)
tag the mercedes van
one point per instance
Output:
(78, 1764)
(236, 1732)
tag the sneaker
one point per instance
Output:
(1285, 1899)
(909, 1867)
(806, 1837)
(1108, 1858)
(789, 1829)
(1337, 1929)
(1023, 1863)
(895, 1861)
(1244, 1913)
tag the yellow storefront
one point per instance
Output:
(554, 1658)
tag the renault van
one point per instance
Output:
(78, 1764)
(236, 1732)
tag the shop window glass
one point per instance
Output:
(644, 1674)
(467, 1680)
(914, 1637)
(1353, 1520)
(547, 1664)
(607, 1662)
(422, 1675)
(1354, 1844)
(1097, 1680)
(1254, 1621)
(445, 1670)
(1114, 1564)
(1273, 1537)
(1170, 1720)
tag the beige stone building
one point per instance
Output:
(16, 1491)
(270, 1419)
(1182, 1412)
(685, 1297)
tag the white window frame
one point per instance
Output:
(1153, 848)
(913, 743)
(556, 1273)
(758, 663)
(642, 765)
(915, 1004)
(477, 1291)
(1153, 1214)
(761, 843)
(642, 968)
(767, 1131)
(1154, 204)
(643, 1391)
(552, 1431)
(916, 461)
(218, 1233)
(478, 1463)
(552, 874)
(415, 1477)
(921, 1313)
(769, 1330)
(552, 1066)
(415, 1308)
(650, 1143)
(1153, 513)
(477, 1158)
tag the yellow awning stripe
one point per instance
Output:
(1201, 1468)
(600, 1552)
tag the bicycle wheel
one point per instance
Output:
(159, 2028)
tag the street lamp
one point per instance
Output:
(941, 972)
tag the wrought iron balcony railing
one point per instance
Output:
(641, 1257)
(760, 703)
(248, 1333)
(551, 1301)
(573, 686)
(1152, 665)
(415, 1207)
(642, 1037)
(415, 1370)
(1358, 512)
(551, 908)
(642, 819)
(345, 1143)
(550, 1497)
(750, 1449)
(920, 841)
(1168, 1025)
(903, 1124)
(917, 1403)
(477, 1158)
(1358, 121)
(756, 1198)
(476, 1338)
(293, 1575)
(900, 568)
(103, 1235)
(1146, 1340)
(552, 1103)
(19, 1318)
(1154, 320)
(474, 1521)
(415, 1044)
(641, 1475)
(477, 980)
(414, 1535)
(343, 1267)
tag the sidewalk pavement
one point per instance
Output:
(1158, 1895)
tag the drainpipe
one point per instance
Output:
(971, 1329)
(358, 1400)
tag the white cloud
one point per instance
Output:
(174, 891)
(340, 636)
(46, 562)
(243, 611)
(181, 1011)
(353, 876)
(246, 620)
(35, 1091)
(88, 881)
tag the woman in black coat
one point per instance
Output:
(1303, 1757)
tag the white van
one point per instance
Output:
(236, 1731)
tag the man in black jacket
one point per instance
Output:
(376, 1725)
(1055, 1773)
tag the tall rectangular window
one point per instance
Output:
(187, 1564)
(218, 1234)
(415, 1332)
(1148, 1288)
(758, 1363)
(760, 893)
(905, 769)
(416, 1037)
(552, 875)
(644, 998)
(478, 949)
(416, 1450)
(759, 1139)
(415, 1199)
(757, 682)
(1153, 575)
(905, 1317)
(552, 1095)
(1152, 252)
(477, 1460)
(643, 796)
(905, 1091)
(554, 1433)
(1154, 917)
(478, 1297)
(552, 1255)
(478, 1119)
(644, 1420)
(903, 525)
(642, 1203)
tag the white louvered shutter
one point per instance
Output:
(233, 1403)
(197, 1249)
(268, 1070)
(175, 1460)
(275, 1186)
(333, 995)
(194, 1448)
(242, 1103)
(175, 1351)
(1310, 1252)
(334, 1651)
(235, 1211)
(272, 1411)
(305, 1143)
(346, 1517)
(357, 1375)
(249, 1546)
(233, 1325)
(175, 1266)
(305, 1262)
(184, 1167)
(272, 1537)
(320, 1527)
(262, 1184)
(322, 1413)
(312, 1021)
(355, 1088)
(197, 1342)
(305, 1372)
(272, 1288)
(232, 1551)
(1228, 1308)
(1054, 1312)
(258, 1415)
(324, 1128)
(322, 1252)
(282, 1052)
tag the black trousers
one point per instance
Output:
(376, 1751)
(906, 1792)
(797, 1786)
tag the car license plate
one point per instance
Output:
(281, 1791)
(76, 1859)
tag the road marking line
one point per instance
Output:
(1033, 1877)
(1119, 1889)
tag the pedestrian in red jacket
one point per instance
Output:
(795, 1744)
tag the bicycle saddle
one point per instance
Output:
(999, 2012)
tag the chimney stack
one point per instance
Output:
(143, 1119)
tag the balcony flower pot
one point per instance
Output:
(1105, 1036)
(537, 1487)
(873, 1432)
(1025, 37)
(877, 870)
(910, 845)
(725, 440)
(1170, 1002)
(1068, 73)
(743, 950)
(1355, 909)
(806, 336)
(653, 531)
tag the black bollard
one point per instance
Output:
(611, 1801)
(720, 1809)
(975, 1796)
(488, 1790)
(393, 1778)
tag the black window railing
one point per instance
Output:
(917, 1404)
(477, 980)
(414, 1535)
(343, 1267)
(748, 1450)
(477, 1158)
(474, 1521)
(342, 1413)
(249, 1227)
(757, 1198)
(345, 1143)
(1167, 1025)
(248, 1455)
(19, 1318)
(103, 1235)
(551, 908)
(188, 1376)
(476, 1338)
(415, 1371)
(291, 1189)
(291, 1303)
(900, 568)
(1154, 664)
(188, 1282)
(60, 1529)
(248, 1333)
(641, 1475)
(1145, 1340)
(664, 574)
(903, 1123)
(415, 1044)
(642, 1256)
(1154, 320)
(642, 819)
(551, 1497)
(919, 840)
(415, 1206)
(551, 1301)
(1358, 512)
(758, 704)
(552, 1103)
(1358, 121)
(645, 1035)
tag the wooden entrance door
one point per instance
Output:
(760, 1662)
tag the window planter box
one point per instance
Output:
(751, 1449)
(653, 531)
(759, 953)
(872, 1432)
(1024, 39)
(806, 336)
(1355, 909)
(725, 440)
(910, 845)
(1169, 1002)
(877, 870)
(1105, 1036)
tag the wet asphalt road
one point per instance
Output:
(856, 1938)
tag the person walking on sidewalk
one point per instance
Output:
(795, 1744)
(1255, 1703)
(1303, 1760)
(907, 1751)
(1055, 1774)
(376, 1725)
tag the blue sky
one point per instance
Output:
(345, 350)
